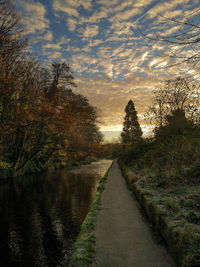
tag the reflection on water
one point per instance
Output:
(41, 214)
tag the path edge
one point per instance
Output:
(84, 246)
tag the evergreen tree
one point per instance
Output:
(131, 130)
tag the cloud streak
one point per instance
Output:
(102, 42)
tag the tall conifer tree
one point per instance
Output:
(131, 131)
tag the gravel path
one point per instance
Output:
(123, 238)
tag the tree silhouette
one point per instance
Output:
(131, 131)
(182, 45)
(60, 79)
(177, 94)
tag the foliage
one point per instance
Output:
(171, 160)
(135, 152)
(131, 130)
(42, 121)
(175, 124)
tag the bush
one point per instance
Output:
(171, 161)
(135, 152)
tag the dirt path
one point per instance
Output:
(123, 238)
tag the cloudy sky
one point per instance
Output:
(104, 44)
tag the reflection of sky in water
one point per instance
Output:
(41, 214)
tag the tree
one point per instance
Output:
(12, 41)
(42, 121)
(62, 79)
(80, 123)
(131, 131)
(177, 94)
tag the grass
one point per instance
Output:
(84, 247)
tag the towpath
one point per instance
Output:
(123, 238)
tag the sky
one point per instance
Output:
(103, 41)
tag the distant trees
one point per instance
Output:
(131, 131)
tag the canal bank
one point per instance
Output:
(83, 249)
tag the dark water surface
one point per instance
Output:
(41, 214)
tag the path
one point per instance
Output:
(123, 238)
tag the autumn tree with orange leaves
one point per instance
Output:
(42, 121)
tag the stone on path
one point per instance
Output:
(123, 238)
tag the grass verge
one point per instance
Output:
(83, 249)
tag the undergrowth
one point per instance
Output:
(167, 179)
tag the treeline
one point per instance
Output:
(42, 121)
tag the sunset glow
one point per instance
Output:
(103, 42)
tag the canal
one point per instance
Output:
(41, 214)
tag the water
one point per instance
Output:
(41, 214)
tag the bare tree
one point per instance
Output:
(62, 78)
(183, 47)
(12, 42)
(177, 94)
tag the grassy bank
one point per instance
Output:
(84, 245)
(165, 179)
